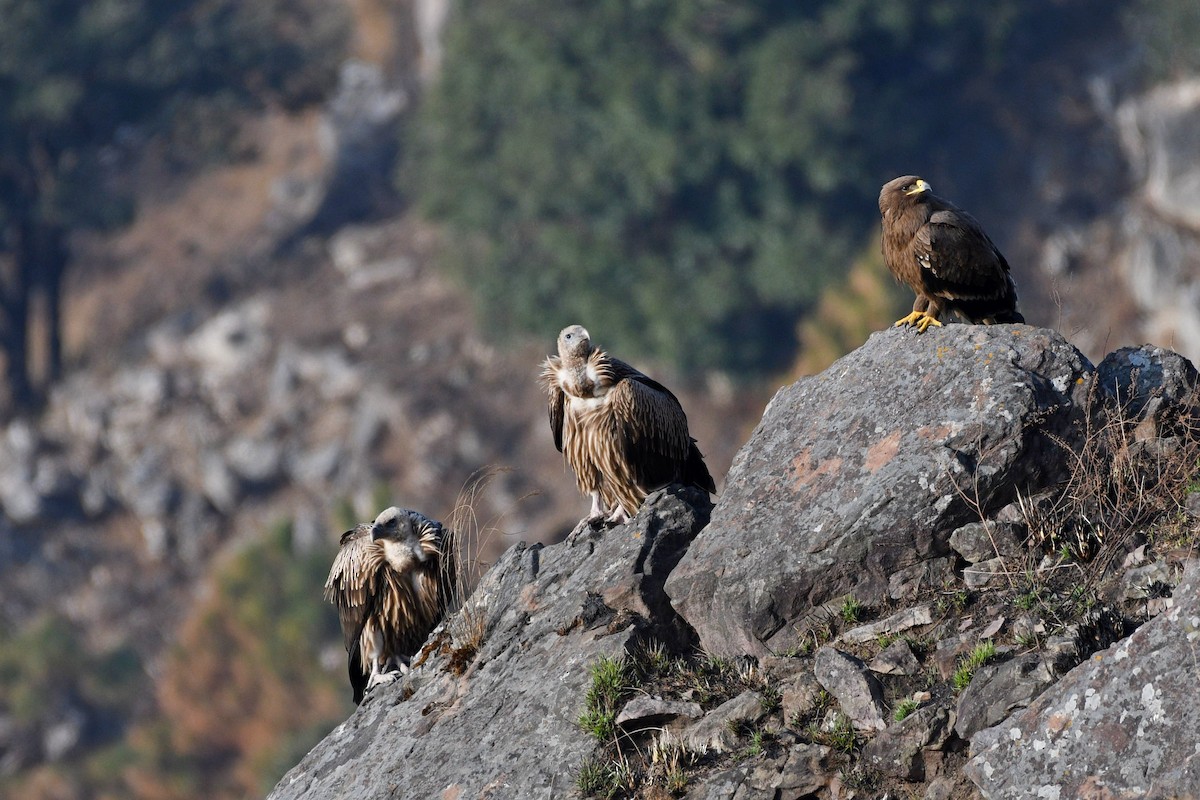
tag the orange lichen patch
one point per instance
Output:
(1094, 790)
(1058, 723)
(882, 452)
(529, 597)
(934, 432)
(943, 351)
(807, 472)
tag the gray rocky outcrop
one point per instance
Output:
(1123, 724)
(900, 750)
(545, 613)
(878, 482)
(865, 470)
(998, 689)
(856, 689)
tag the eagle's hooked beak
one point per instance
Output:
(376, 532)
(919, 186)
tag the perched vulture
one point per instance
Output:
(391, 581)
(943, 254)
(621, 432)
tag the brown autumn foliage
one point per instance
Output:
(246, 668)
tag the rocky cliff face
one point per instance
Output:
(1140, 234)
(925, 578)
(492, 711)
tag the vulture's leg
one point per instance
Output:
(382, 678)
(375, 653)
(619, 515)
(597, 512)
(378, 663)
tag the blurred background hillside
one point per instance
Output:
(268, 267)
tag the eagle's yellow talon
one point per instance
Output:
(920, 319)
(925, 322)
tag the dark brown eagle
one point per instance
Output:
(622, 433)
(943, 254)
(392, 581)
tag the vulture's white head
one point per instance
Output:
(574, 342)
(396, 529)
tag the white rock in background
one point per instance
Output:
(61, 736)
(1160, 230)
(232, 341)
(256, 460)
(1160, 133)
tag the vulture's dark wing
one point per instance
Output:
(555, 405)
(439, 542)
(351, 584)
(555, 399)
(653, 427)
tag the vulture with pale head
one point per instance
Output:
(942, 253)
(392, 581)
(622, 433)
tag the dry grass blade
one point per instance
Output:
(473, 537)
(1121, 482)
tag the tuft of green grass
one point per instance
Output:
(1027, 600)
(593, 777)
(770, 698)
(841, 737)
(671, 759)
(655, 661)
(610, 683)
(605, 779)
(982, 654)
(904, 708)
(759, 740)
(676, 780)
(852, 610)
(1082, 599)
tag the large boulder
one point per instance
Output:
(1123, 724)
(864, 471)
(503, 721)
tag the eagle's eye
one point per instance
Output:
(568, 336)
